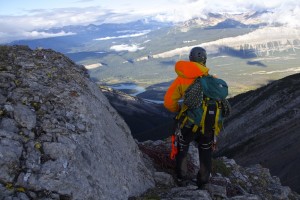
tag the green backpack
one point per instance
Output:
(205, 105)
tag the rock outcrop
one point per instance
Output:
(264, 128)
(59, 136)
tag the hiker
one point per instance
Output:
(188, 72)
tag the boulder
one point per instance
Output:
(60, 138)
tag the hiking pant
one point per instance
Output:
(205, 154)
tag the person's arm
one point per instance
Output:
(226, 108)
(172, 96)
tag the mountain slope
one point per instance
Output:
(147, 120)
(264, 128)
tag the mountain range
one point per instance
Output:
(143, 52)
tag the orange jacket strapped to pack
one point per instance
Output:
(174, 149)
(187, 72)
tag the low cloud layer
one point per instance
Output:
(4, 37)
(125, 47)
(125, 36)
(20, 26)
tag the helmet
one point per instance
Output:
(198, 54)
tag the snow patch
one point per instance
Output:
(93, 66)
(126, 36)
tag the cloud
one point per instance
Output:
(4, 37)
(126, 36)
(288, 14)
(11, 27)
(40, 18)
(19, 27)
(36, 34)
(93, 66)
(285, 12)
(125, 47)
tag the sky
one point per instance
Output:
(21, 19)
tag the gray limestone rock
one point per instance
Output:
(246, 197)
(188, 193)
(216, 191)
(2, 99)
(8, 108)
(10, 154)
(163, 178)
(24, 116)
(9, 125)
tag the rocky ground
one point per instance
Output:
(228, 180)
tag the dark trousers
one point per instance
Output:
(205, 154)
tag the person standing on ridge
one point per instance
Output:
(188, 72)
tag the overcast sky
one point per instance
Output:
(22, 18)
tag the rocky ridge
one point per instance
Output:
(59, 136)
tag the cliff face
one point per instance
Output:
(59, 136)
(264, 128)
